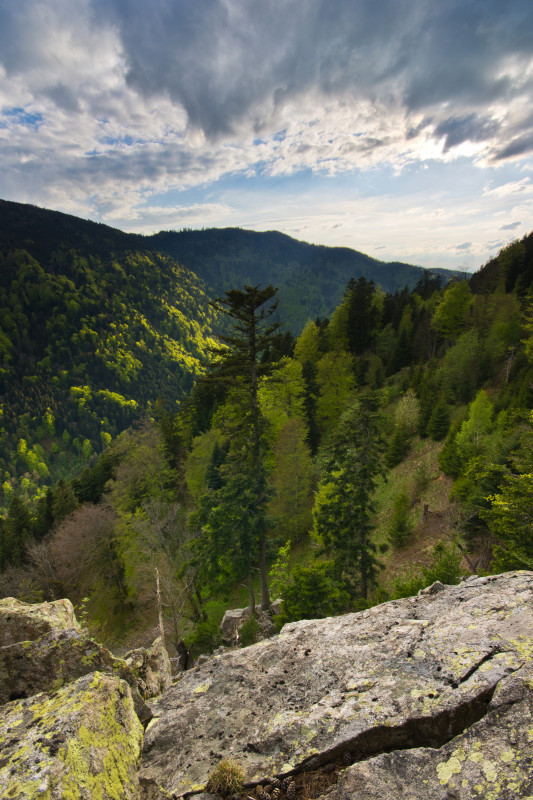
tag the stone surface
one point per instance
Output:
(231, 622)
(411, 673)
(80, 743)
(58, 658)
(21, 622)
(492, 760)
(152, 666)
(234, 618)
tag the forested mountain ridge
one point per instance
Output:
(306, 462)
(95, 324)
(92, 333)
(310, 278)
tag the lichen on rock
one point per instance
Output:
(21, 622)
(80, 743)
(405, 675)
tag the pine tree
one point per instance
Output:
(439, 421)
(362, 315)
(240, 364)
(344, 509)
(401, 525)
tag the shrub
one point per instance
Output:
(248, 632)
(312, 593)
(445, 567)
(226, 778)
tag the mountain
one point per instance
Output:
(93, 330)
(97, 323)
(311, 278)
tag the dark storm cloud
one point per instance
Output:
(226, 61)
(472, 128)
(518, 147)
(463, 247)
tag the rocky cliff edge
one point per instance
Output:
(426, 698)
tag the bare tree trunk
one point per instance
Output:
(160, 608)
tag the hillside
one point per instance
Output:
(311, 278)
(97, 323)
(92, 332)
(386, 447)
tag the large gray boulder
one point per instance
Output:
(57, 658)
(234, 619)
(152, 667)
(82, 742)
(400, 680)
(21, 622)
(493, 759)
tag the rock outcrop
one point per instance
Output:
(152, 667)
(426, 698)
(234, 619)
(394, 685)
(24, 622)
(60, 657)
(71, 721)
(492, 759)
(81, 742)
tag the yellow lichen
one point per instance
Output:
(203, 687)
(446, 769)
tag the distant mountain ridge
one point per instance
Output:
(96, 324)
(311, 278)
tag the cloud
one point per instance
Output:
(466, 246)
(109, 106)
(234, 65)
(512, 226)
(471, 128)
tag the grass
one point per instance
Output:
(426, 534)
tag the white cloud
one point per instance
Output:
(107, 106)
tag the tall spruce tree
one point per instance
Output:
(344, 509)
(240, 364)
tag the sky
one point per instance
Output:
(400, 128)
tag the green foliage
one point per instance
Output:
(206, 636)
(462, 367)
(313, 592)
(235, 516)
(293, 477)
(439, 420)
(452, 315)
(450, 460)
(343, 512)
(336, 382)
(475, 427)
(445, 567)
(279, 574)
(510, 516)
(90, 336)
(249, 631)
(398, 446)
(401, 524)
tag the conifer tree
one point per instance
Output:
(344, 508)
(244, 471)
(439, 421)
